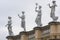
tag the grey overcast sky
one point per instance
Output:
(14, 7)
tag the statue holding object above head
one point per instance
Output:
(53, 11)
(38, 18)
(22, 20)
(10, 26)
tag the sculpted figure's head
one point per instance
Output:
(53, 2)
(23, 12)
(36, 4)
(9, 17)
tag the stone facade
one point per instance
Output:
(48, 32)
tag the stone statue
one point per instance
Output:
(22, 20)
(52, 15)
(38, 18)
(10, 26)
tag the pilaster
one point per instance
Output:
(37, 33)
(24, 35)
(54, 30)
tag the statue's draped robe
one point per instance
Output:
(10, 28)
(38, 18)
(52, 14)
(53, 10)
(23, 21)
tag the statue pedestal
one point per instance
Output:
(37, 33)
(24, 35)
(54, 30)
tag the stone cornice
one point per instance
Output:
(54, 23)
(24, 33)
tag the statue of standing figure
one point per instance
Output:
(10, 26)
(22, 20)
(52, 14)
(38, 18)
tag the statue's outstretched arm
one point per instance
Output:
(36, 9)
(49, 5)
(19, 16)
